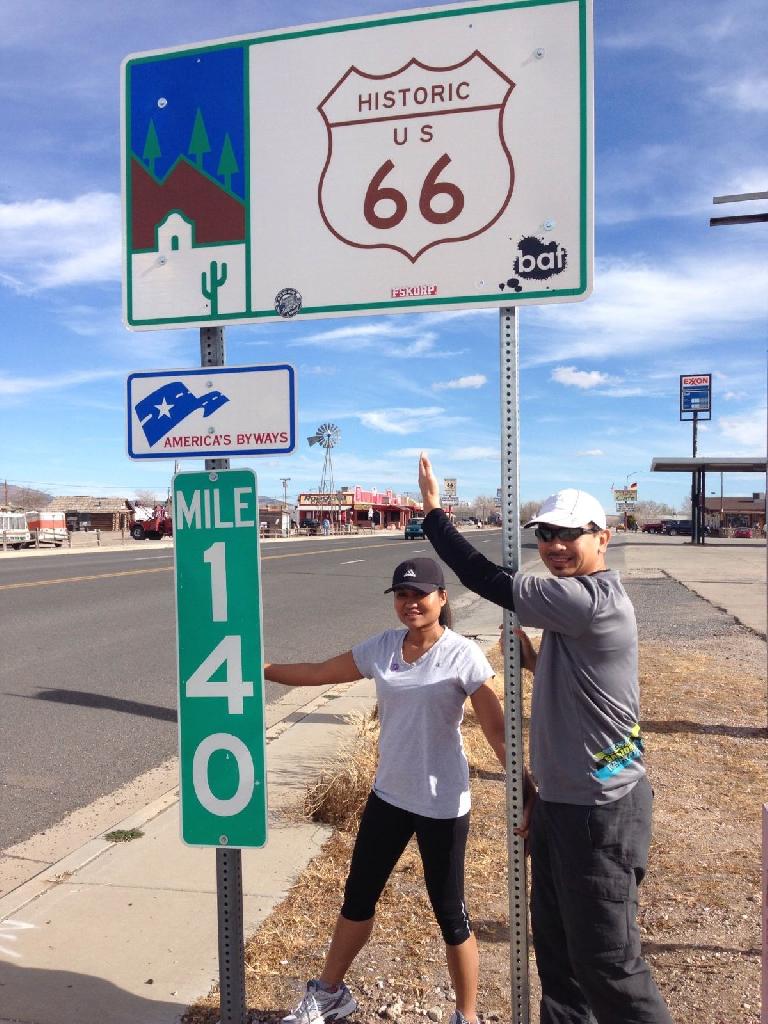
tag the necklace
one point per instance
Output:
(418, 648)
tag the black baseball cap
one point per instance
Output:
(422, 574)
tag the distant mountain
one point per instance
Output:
(24, 497)
(218, 216)
(273, 501)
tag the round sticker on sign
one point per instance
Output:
(288, 302)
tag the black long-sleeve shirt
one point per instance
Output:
(475, 571)
(585, 740)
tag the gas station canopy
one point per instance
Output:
(709, 465)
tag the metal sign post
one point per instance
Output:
(513, 695)
(229, 869)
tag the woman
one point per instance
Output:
(423, 675)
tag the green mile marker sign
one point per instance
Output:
(221, 688)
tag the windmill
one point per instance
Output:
(327, 436)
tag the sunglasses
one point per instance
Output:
(564, 533)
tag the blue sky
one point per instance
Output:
(681, 115)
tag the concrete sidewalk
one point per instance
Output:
(126, 933)
(730, 574)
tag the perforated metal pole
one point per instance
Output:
(229, 870)
(513, 696)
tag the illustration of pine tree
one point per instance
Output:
(199, 144)
(227, 163)
(151, 147)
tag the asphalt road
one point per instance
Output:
(88, 673)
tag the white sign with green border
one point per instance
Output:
(438, 158)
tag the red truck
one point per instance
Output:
(651, 527)
(154, 523)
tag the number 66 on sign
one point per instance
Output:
(221, 688)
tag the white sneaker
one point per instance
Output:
(321, 1007)
(458, 1017)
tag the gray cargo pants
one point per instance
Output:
(586, 865)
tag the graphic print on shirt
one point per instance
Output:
(619, 755)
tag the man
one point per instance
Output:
(590, 825)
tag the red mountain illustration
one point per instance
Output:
(217, 216)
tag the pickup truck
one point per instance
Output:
(655, 527)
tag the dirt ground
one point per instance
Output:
(704, 717)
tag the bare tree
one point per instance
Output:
(528, 510)
(146, 497)
(650, 511)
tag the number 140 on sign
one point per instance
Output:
(221, 705)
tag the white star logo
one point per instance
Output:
(164, 409)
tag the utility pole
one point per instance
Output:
(285, 480)
(750, 218)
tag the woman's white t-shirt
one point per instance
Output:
(422, 766)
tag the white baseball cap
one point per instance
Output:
(570, 508)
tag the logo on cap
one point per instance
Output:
(409, 572)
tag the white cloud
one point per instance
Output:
(325, 370)
(21, 386)
(387, 338)
(410, 453)
(634, 305)
(748, 94)
(595, 453)
(746, 431)
(583, 379)
(406, 421)
(473, 453)
(475, 380)
(51, 243)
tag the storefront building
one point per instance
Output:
(727, 516)
(354, 508)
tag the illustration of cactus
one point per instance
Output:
(211, 291)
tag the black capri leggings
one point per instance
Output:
(383, 835)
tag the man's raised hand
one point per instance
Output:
(428, 485)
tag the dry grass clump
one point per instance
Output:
(338, 797)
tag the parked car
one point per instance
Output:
(677, 527)
(742, 531)
(311, 526)
(414, 529)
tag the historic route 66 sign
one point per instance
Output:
(421, 128)
(436, 158)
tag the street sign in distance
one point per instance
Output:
(220, 660)
(627, 494)
(428, 159)
(212, 412)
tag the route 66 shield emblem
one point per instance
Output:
(404, 153)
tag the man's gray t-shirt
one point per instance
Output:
(422, 767)
(585, 743)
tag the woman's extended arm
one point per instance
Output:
(491, 718)
(475, 571)
(341, 669)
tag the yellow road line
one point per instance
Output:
(83, 579)
(169, 568)
(301, 554)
